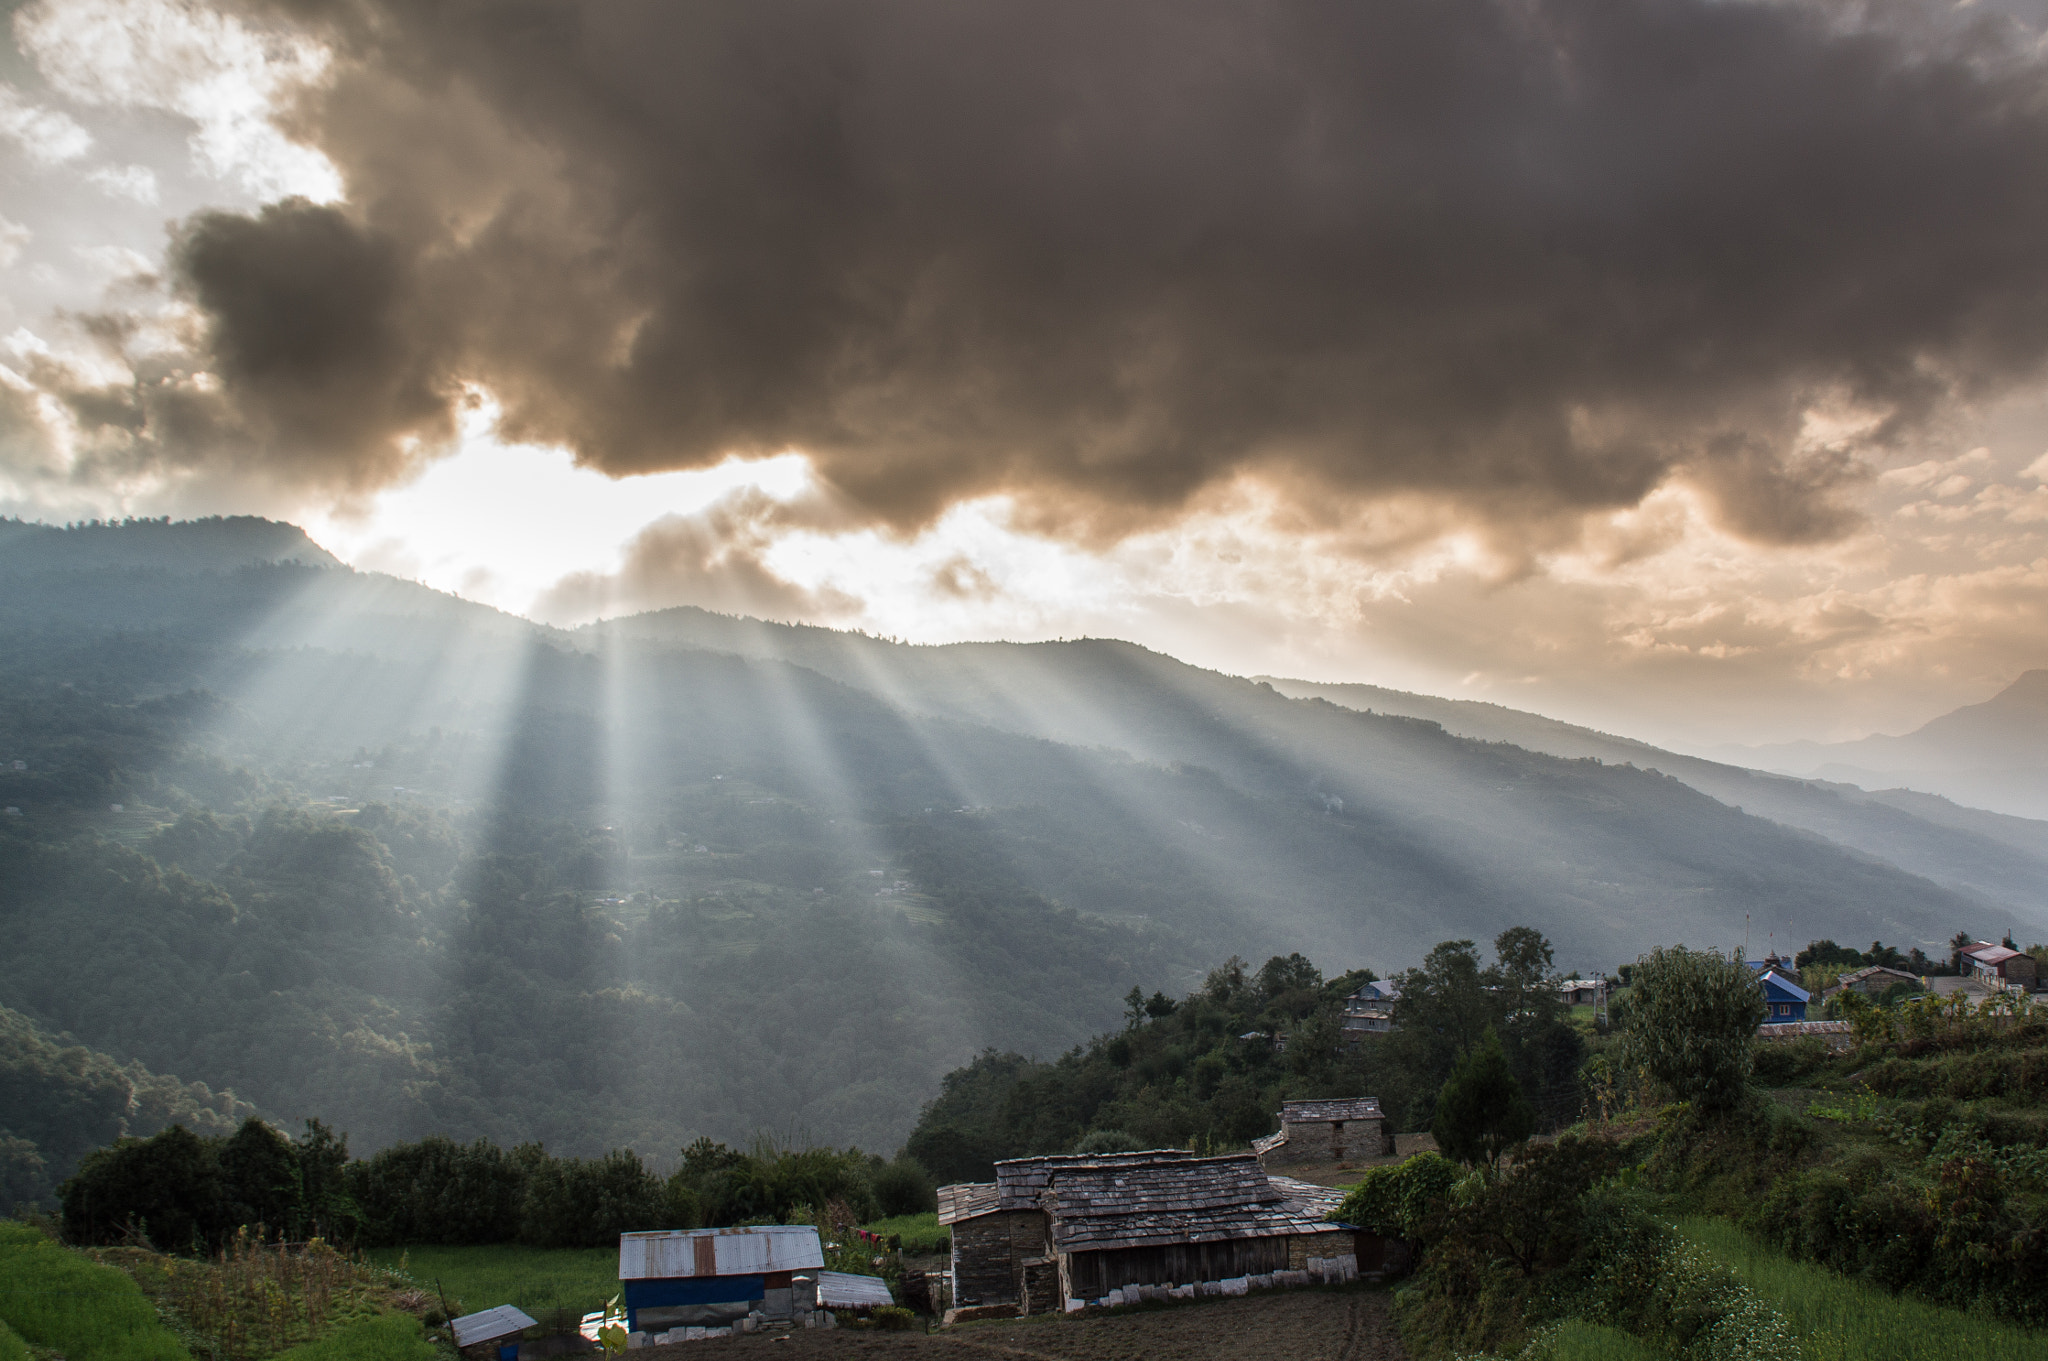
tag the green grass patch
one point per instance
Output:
(1837, 1319)
(12, 1348)
(555, 1285)
(53, 1297)
(1578, 1340)
(920, 1233)
(387, 1337)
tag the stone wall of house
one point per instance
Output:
(1331, 1141)
(1304, 1246)
(988, 1252)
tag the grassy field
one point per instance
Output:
(62, 1300)
(920, 1233)
(12, 1348)
(1837, 1319)
(548, 1283)
(387, 1337)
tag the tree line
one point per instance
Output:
(1210, 1070)
(183, 1192)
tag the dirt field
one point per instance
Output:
(1347, 1323)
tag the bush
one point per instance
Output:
(903, 1187)
(1108, 1141)
(1400, 1200)
(894, 1318)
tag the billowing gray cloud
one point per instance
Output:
(715, 559)
(1534, 256)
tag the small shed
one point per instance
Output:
(715, 1277)
(488, 1326)
(1327, 1131)
(1784, 1000)
(1580, 992)
(858, 1294)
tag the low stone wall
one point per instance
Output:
(752, 1323)
(1318, 1271)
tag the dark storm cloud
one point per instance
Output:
(1537, 256)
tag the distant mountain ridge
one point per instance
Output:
(1993, 754)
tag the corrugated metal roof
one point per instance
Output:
(1314, 1112)
(843, 1290)
(502, 1321)
(1786, 985)
(966, 1199)
(719, 1252)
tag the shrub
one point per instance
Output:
(1400, 1200)
(1108, 1141)
(903, 1187)
(894, 1318)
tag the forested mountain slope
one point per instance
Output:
(2002, 858)
(412, 865)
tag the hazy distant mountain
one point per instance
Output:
(1993, 754)
(391, 858)
(2004, 858)
(1105, 693)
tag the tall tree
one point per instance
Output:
(1481, 1112)
(1692, 1022)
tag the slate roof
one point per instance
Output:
(966, 1199)
(1857, 977)
(1353, 1108)
(1188, 1200)
(1021, 1181)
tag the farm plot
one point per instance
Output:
(1338, 1324)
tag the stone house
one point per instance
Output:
(2001, 963)
(1064, 1232)
(1347, 1129)
(1874, 981)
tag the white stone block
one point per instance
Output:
(635, 1340)
(1076, 1306)
(1183, 1292)
(1235, 1285)
(1114, 1299)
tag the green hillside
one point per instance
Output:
(411, 865)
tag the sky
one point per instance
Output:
(1670, 366)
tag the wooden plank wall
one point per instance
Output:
(1092, 1275)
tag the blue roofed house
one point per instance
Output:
(1784, 1000)
(717, 1277)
